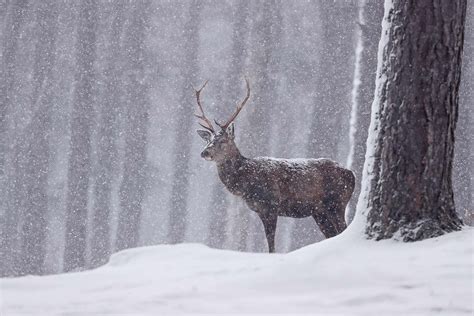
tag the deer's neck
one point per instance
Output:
(231, 172)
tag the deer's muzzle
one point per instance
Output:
(206, 155)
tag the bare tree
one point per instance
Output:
(15, 17)
(266, 33)
(369, 22)
(409, 193)
(334, 81)
(219, 204)
(35, 225)
(332, 92)
(10, 181)
(107, 162)
(133, 186)
(184, 127)
(81, 125)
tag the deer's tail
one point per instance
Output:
(349, 178)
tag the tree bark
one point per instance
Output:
(409, 186)
(81, 126)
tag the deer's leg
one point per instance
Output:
(325, 225)
(340, 221)
(333, 217)
(269, 222)
(336, 215)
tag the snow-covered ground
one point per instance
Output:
(345, 275)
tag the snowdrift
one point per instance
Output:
(345, 275)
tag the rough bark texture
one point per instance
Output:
(410, 193)
(370, 18)
(133, 186)
(81, 125)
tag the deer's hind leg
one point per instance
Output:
(269, 222)
(325, 224)
(335, 212)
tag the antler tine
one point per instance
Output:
(238, 109)
(202, 116)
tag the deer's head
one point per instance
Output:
(220, 144)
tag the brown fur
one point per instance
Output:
(283, 187)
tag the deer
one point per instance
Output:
(273, 187)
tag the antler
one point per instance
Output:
(202, 116)
(239, 108)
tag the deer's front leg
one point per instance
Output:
(269, 222)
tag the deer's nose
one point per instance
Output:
(205, 154)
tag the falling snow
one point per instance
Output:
(98, 144)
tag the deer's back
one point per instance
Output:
(295, 187)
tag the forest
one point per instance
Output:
(97, 107)
(108, 207)
(98, 145)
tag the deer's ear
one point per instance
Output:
(206, 135)
(230, 130)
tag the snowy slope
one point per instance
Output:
(345, 275)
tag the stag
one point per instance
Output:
(272, 187)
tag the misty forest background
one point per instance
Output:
(98, 149)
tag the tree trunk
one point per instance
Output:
(11, 175)
(106, 141)
(184, 124)
(34, 229)
(328, 131)
(409, 192)
(266, 35)
(15, 208)
(81, 125)
(369, 21)
(15, 19)
(219, 206)
(133, 187)
(334, 83)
